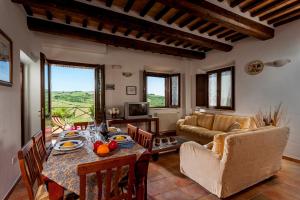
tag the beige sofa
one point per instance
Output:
(248, 158)
(202, 127)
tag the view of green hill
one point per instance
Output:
(156, 100)
(73, 106)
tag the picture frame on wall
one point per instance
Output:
(131, 90)
(6, 60)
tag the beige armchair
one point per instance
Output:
(247, 159)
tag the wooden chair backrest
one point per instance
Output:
(145, 139)
(141, 174)
(83, 125)
(39, 148)
(29, 168)
(108, 165)
(132, 131)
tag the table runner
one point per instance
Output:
(63, 168)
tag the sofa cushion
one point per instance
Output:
(204, 120)
(190, 120)
(223, 122)
(234, 126)
(199, 131)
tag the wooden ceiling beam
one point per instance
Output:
(198, 24)
(287, 20)
(28, 10)
(271, 7)
(110, 17)
(68, 19)
(187, 21)
(234, 3)
(49, 15)
(252, 5)
(109, 3)
(128, 5)
(161, 13)
(175, 17)
(147, 7)
(51, 27)
(279, 12)
(284, 16)
(222, 17)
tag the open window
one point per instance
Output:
(162, 90)
(216, 89)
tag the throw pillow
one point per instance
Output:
(190, 120)
(234, 126)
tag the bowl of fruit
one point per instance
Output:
(105, 149)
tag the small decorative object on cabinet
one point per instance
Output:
(6, 60)
(114, 112)
(131, 90)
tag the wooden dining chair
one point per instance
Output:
(145, 139)
(31, 175)
(82, 125)
(106, 168)
(141, 175)
(29, 169)
(39, 148)
(132, 131)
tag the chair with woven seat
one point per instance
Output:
(31, 176)
(111, 169)
(132, 131)
(82, 125)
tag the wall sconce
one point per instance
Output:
(257, 66)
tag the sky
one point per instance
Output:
(4, 71)
(156, 85)
(72, 79)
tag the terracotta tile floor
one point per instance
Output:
(165, 182)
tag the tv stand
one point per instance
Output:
(136, 122)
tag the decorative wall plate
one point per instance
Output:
(254, 67)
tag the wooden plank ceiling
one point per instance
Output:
(187, 28)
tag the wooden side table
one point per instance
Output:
(147, 120)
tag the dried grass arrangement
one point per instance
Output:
(274, 117)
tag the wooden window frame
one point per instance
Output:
(219, 86)
(100, 111)
(168, 88)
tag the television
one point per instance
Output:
(136, 110)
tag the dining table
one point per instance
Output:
(61, 167)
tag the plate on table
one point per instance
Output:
(121, 138)
(113, 129)
(70, 134)
(68, 145)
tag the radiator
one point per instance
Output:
(167, 121)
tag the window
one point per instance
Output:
(162, 90)
(216, 89)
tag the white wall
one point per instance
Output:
(133, 61)
(12, 22)
(273, 85)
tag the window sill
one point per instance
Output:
(164, 108)
(214, 109)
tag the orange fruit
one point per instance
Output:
(103, 149)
